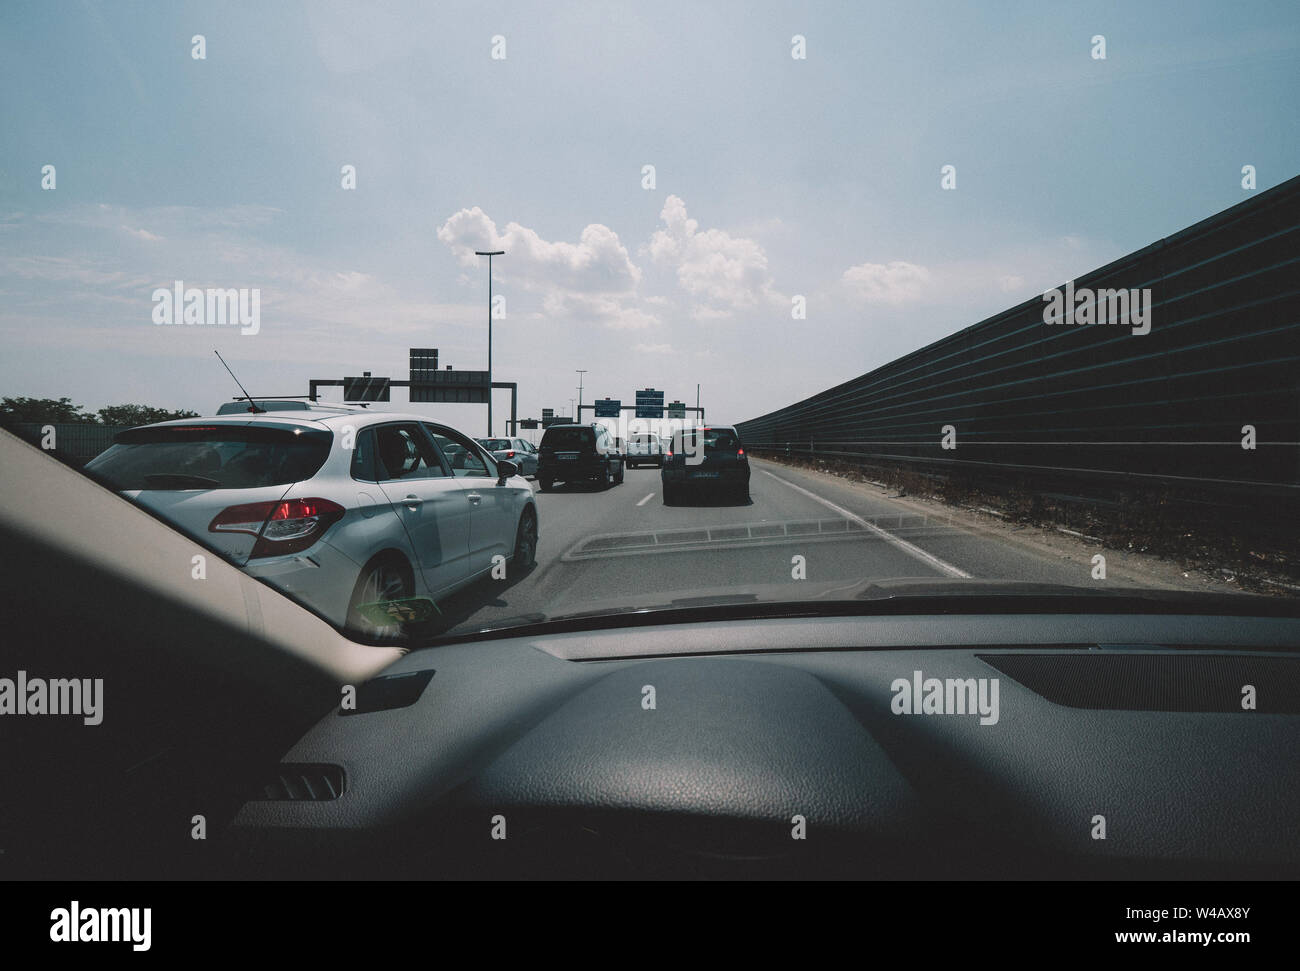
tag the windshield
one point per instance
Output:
(795, 304)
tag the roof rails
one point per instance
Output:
(257, 405)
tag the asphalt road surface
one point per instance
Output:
(622, 547)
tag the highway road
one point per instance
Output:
(623, 547)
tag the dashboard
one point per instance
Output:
(1011, 746)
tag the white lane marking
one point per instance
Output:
(646, 499)
(928, 558)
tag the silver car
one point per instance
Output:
(341, 508)
(517, 450)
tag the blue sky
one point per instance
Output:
(775, 177)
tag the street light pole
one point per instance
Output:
(580, 374)
(489, 255)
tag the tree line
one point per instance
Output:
(51, 411)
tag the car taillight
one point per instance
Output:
(740, 453)
(510, 455)
(287, 526)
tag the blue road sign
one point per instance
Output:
(649, 403)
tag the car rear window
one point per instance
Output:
(495, 444)
(568, 438)
(715, 439)
(211, 457)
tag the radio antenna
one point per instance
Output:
(252, 405)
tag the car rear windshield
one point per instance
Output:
(566, 438)
(720, 438)
(643, 439)
(715, 439)
(495, 444)
(211, 457)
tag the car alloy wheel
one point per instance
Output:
(387, 578)
(526, 541)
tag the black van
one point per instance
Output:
(578, 453)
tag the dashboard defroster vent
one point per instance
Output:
(1159, 682)
(303, 783)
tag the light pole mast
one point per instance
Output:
(578, 416)
(489, 255)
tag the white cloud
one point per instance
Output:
(570, 306)
(593, 280)
(721, 272)
(96, 274)
(895, 283)
(709, 313)
(598, 262)
(653, 348)
(174, 220)
(351, 281)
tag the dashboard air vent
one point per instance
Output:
(303, 783)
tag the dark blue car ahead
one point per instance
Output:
(710, 459)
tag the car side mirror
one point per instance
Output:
(506, 469)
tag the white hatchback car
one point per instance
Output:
(339, 507)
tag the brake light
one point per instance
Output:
(510, 454)
(287, 526)
(740, 453)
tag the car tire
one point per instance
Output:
(544, 484)
(525, 555)
(670, 495)
(386, 577)
(606, 479)
(622, 472)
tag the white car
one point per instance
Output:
(517, 450)
(644, 449)
(339, 507)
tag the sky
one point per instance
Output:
(775, 178)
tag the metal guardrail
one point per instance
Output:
(1223, 352)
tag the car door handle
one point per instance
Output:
(475, 498)
(412, 502)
